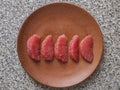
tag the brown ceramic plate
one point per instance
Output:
(57, 19)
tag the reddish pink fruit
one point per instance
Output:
(74, 48)
(33, 47)
(61, 48)
(86, 48)
(47, 48)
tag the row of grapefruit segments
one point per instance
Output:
(61, 49)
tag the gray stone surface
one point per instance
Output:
(14, 12)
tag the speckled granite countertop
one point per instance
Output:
(14, 12)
